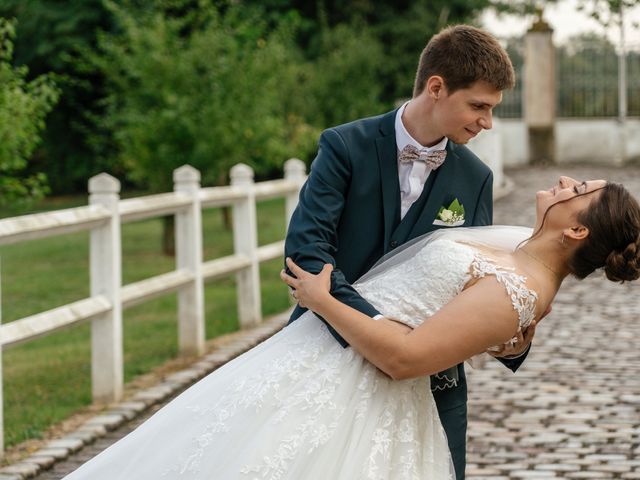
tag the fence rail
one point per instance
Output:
(103, 217)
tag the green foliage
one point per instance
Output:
(207, 89)
(405, 28)
(23, 107)
(49, 32)
(49, 38)
(606, 12)
(397, 31)
(344, 82)
(520, 7)
(259, 79)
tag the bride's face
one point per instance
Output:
(566, 189)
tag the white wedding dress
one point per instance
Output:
(301, 407)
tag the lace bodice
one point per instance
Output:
(412, 291)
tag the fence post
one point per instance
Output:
(294, 170)
(106, 280)
(245, 242)
(191, 336)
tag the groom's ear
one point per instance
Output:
(435, 87)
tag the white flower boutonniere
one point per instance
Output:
(451, 216)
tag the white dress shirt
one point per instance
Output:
(412, 175)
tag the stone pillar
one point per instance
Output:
(540, 92)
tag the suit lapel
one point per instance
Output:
(388, 164)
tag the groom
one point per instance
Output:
(379, 182)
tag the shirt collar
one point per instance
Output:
(403, 138)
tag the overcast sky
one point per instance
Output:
(566, 21)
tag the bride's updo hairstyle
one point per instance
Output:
(613, 220)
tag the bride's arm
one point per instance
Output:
(479, 317)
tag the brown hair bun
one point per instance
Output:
(623, 265)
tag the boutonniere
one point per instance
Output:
(451, 216)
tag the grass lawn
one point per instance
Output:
(47, 379)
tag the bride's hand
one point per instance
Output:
(309, 290)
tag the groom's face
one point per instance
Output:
(464, 113)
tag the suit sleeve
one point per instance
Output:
(514, 363)
(312, 237)
(484, 216)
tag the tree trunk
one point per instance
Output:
(226, 217)
(169, 235)
(226, 211)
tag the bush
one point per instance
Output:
(344, 82)
(208, 89)
(23, 107)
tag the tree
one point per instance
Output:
(344, 81)
(212, 97)
(606, 12)
(208, 88)
(397, 31)
(50, 36)
(23, 107)
(353, 59)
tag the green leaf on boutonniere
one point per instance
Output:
(454, 213)
(456, 207)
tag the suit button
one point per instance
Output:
(393, 244)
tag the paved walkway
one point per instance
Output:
(571, 412)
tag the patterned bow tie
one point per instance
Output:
(433, 159)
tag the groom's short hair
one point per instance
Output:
(462, 55)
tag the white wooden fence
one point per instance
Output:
(103, 217)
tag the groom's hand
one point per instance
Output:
(517, 348)
(309, 290)
(524, 338)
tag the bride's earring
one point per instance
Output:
(562, 241)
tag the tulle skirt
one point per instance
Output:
(298, 406)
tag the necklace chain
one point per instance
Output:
(533, 257)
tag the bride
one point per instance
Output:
(299, 406)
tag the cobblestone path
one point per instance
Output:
(573, 409)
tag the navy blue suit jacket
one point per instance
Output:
(349, 215)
